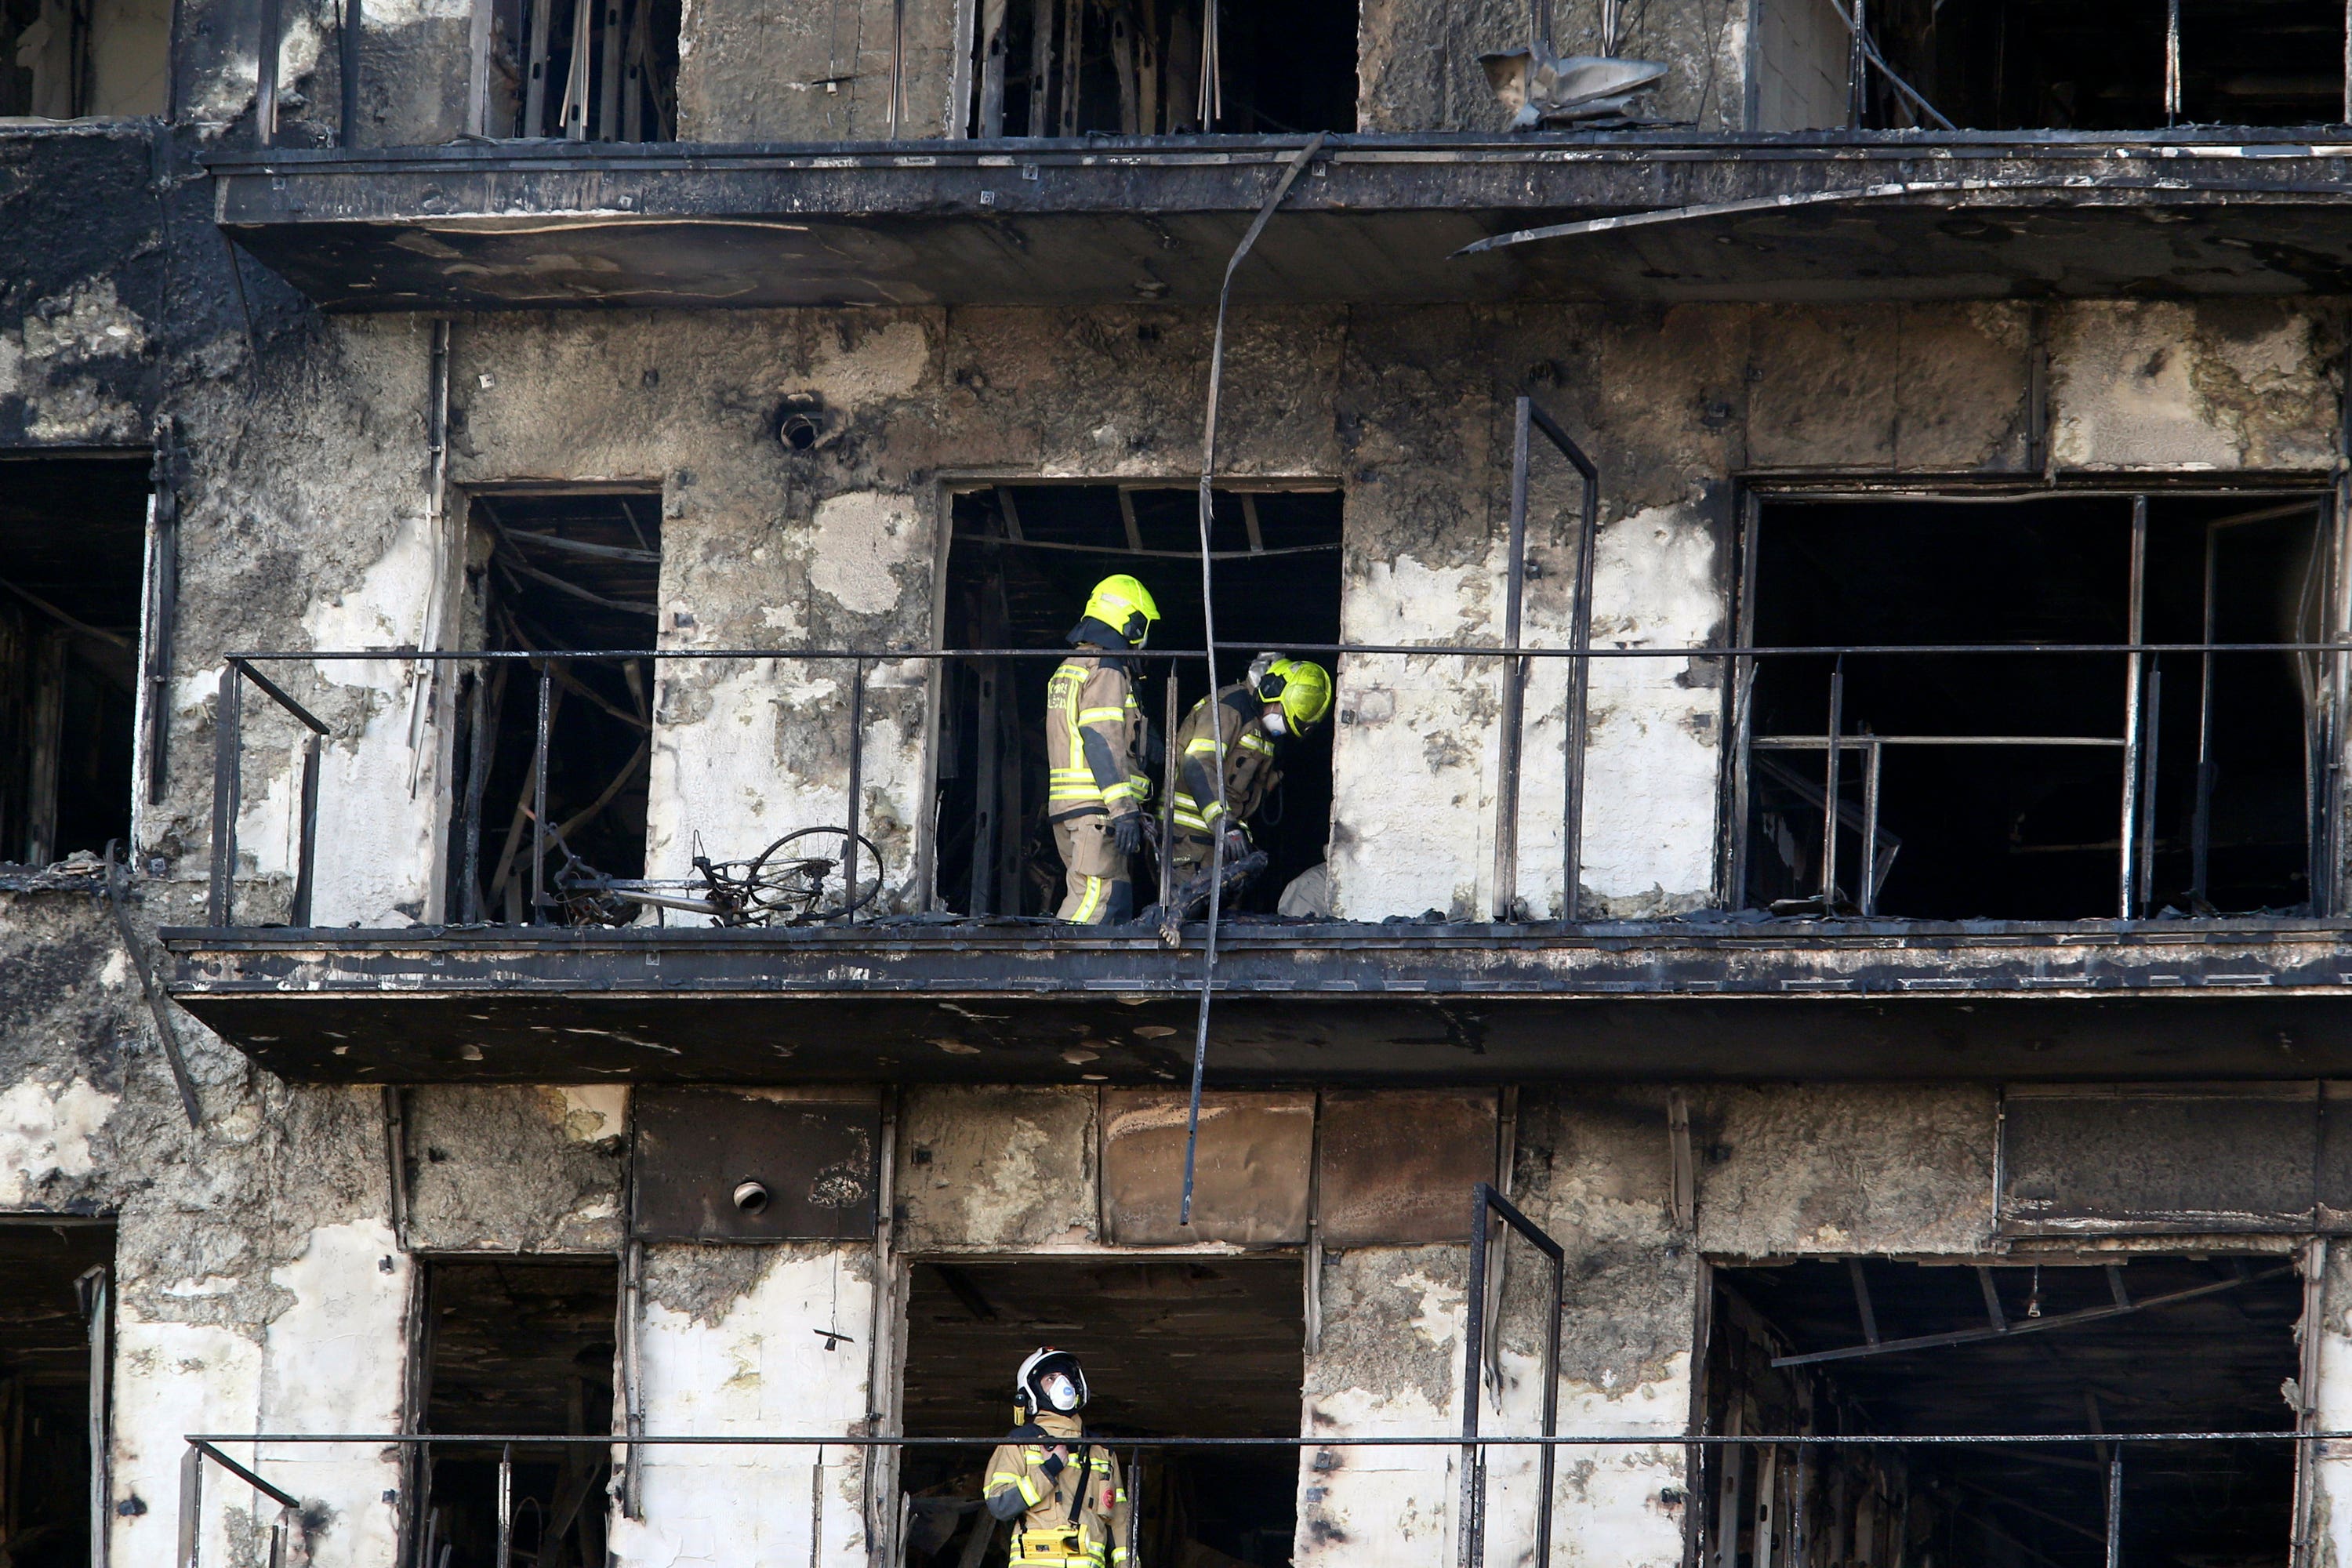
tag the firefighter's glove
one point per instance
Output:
(1127, 833)
(1053, 1465)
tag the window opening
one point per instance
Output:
(2212, 1363)
(53, 1362)
(587, 70)
(1136, 67)
(518, 1346)
(69, 60)
(73, 545)
(1020, 566)
(2062, 65)
(1171, 1347)
(1994, 786)
(576, 570)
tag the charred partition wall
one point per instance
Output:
(1020, 564)
(2102, 65)
(1197, 1347)
(72, 548)
(1151, 67)
(554, 571)
(517, 1346)
(2171, 1344)
(54, 1321)
(1992, 785)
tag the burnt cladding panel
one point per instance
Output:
(2236, 1157)
(1396, 1169)
(1250, 1171)
(814, 1159)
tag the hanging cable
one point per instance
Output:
(1290, 173)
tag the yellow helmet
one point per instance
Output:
(1125, 605)
(1303, 689)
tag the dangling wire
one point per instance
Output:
(1290, 173)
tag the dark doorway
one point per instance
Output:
(2214, 1362)
(73, 542)
(1021, 563)
(1190, 1347)
(55, 1317)
(519, 1346)
(2000, 780)
(1135, 68)
(578, 569)
(2099, 64)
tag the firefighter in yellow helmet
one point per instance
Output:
(1066, 1499)
(1095, 738)
(1281, 697)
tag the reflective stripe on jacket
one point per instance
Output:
(1250, 773)
(1094, 739)
(1044, 1537)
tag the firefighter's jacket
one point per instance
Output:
(1094, 737)
(1250, 772)
(1044, 1534)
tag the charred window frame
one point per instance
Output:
(1157, 67)
(547, 570)
(2061, 65)
(1015, 566)
(57, 1334)
(76, 541)
(579, 70)
(69, 59)
(2188, 783)
(521, 1346)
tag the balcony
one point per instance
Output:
(1812, 215)
(1007, 1001)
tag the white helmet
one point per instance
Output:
(1029, 1382)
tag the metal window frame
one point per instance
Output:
(2330, 497)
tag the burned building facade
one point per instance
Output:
(531, 539)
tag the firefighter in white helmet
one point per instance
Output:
(1066, 1496)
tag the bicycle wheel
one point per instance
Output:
(783, 886)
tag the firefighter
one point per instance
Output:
(1066, 1498)
(1095, 744)
(1281, 697)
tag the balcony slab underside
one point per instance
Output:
(543, 224)
(1011, 1002)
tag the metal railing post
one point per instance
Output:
(1515, 675)
(265, 85)
(506, 1507)
(306, 858)
(227, 742)
(2116, 1508)
(857, 789)
(1471, 1547)
(192, 1506)
(539, 794)
(2128, 893)
(1829, 791)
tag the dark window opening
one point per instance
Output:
(54, 1319)
(2100, 65)
(518, 1346)
(2214, 1363)
(73, 539)
(589, 71)
(1992, 786)
(64, 59)
(1022, 564)
(1135, 68)
(1174, 1348)
(580, 571)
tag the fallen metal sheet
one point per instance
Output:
(1397, 1166)
(814, 1159)
(1252, 1183)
